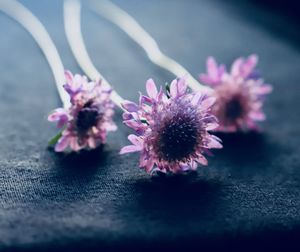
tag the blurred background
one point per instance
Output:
(249, 196)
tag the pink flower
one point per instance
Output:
(86, 123)
(171, 129)
(214, 72)
(239, 94)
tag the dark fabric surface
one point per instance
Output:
(249, 195)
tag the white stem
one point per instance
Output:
(130, 26)
(31, 23)
(73, 31)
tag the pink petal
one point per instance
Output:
(257, 116)
(236, 66)
(56, 114)
(129, 149)
(111, 127)
(212, 126)
(202, 160)
(214, 144)
(137, 141)
(178, 87)
(133, 124)
(151, 89)
(206, 79)
(92, 143)
(149, 165)
(181, 85)
(207, 103)
(160, 94)
(74, 144)
(194, 165)
(265, 89)
(197, 98)
(252, 126)
(60, 116)
(62, 143)
(248, 65)
(173, 88)
(212, 67)
(69, 77)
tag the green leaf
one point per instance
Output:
(167, 86)
(54, 140)
(144, 121)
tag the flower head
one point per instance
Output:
(171, 128)
(239, 93)
(86, 123)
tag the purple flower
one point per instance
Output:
(171, 128)
(239, 94)
(86, 123)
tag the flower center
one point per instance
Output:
(178, 138)
(86, 118)
(234, 108)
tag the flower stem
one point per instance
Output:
(31, 23)
(134, 30)
(73, 31)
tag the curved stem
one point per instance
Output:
(31, 23)
(131, 27)
(73, 31)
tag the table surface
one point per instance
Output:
(249, 195)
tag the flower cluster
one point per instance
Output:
(86, 123)
(171, 128)
(239, 94)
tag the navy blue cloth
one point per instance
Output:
(247, 198)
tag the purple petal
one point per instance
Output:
(144, 99)
(130, 106)
(127, 116)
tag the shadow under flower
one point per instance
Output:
(83, 164)
(243, 148)
(173, 196)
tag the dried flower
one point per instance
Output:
(171, 128)
(239, 94)
(86, 123)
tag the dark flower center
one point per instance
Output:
(87, 118)
(234, 108)
(178, 138)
